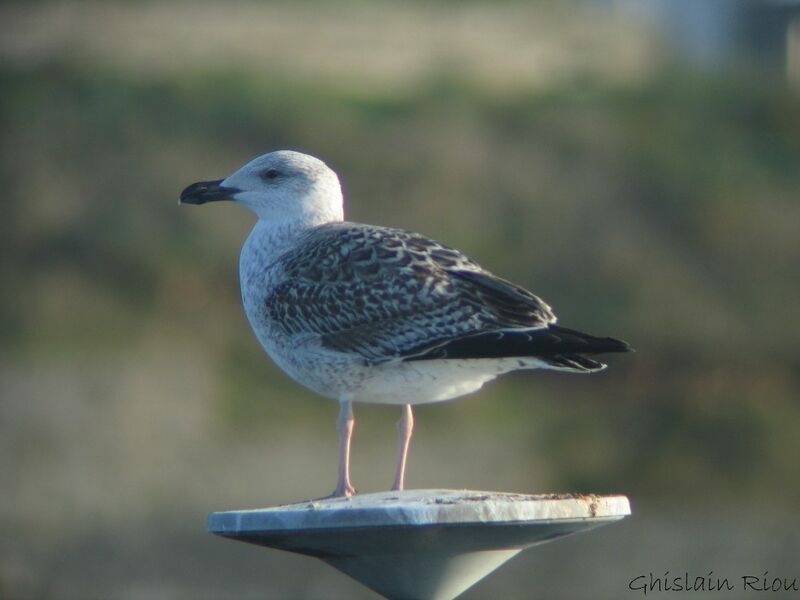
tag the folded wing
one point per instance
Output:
(387, 294)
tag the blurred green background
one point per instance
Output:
(646, 183)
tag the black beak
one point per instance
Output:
(207, 191)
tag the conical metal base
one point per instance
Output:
(433, 576)
(419, 544)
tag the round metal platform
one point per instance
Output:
(419, 544)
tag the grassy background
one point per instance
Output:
(560, 148)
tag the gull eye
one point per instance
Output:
(270, 174)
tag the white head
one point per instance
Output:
(280, 187)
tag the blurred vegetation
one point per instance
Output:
(665, 214)
(661, 208)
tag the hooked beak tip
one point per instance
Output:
(206, 191)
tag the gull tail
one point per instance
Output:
(553, 347)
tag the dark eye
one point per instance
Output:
(271, 173)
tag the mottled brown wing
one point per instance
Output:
(387, 294)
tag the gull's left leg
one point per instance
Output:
(405, 426)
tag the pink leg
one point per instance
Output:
(405, 427)
(345, 425)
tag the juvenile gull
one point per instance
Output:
(361, 313)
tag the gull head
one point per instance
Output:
(280, 187)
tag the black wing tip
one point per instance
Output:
(562, 348)
(589, 344)
(616, 345)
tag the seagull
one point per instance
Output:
(363, 313)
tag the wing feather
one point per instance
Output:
(388, 294)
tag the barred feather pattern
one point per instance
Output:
(388, 294)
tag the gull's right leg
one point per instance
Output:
(345, 425)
